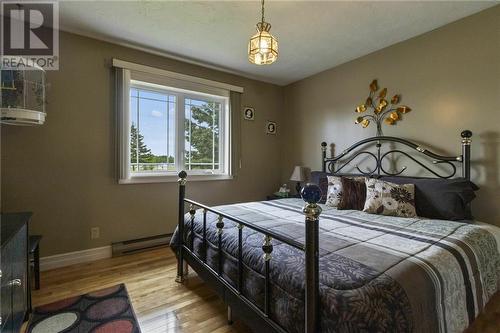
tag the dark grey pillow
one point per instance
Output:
(320, 178)
(444, 199)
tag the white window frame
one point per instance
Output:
(177, 85)
(223, 135)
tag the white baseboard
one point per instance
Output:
(77, 257)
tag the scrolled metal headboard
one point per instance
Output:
(337, 164)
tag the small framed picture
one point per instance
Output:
(271, 127)
(248, 113)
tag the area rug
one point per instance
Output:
(104, 311)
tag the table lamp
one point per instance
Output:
(298, 175)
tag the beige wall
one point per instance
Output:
(451, 79)
(63, 171)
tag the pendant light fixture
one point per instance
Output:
(263, 47)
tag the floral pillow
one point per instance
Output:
(334, 192)
(386, 198)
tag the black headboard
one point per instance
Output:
(335, 165)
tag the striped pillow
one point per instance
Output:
(353, 194)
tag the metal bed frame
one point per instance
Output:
(254, 316)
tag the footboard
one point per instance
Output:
(233, 293)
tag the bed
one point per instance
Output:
(342, 270)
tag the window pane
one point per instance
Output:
(133, 92)
(147, 94)
(202, 134)
(152, 141)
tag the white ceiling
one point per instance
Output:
(313, 36)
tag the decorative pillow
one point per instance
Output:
(444, 199)
(386, 198)
(334, 191)
(353, 194)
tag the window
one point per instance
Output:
(202, 131)
(152, 130)
(168, 125)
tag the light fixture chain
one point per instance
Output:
(262, 11)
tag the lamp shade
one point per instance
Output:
(263, 47)
(299, 174)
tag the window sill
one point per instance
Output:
(172, 179)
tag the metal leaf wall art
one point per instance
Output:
(383, 111)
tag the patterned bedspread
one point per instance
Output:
(377, 273)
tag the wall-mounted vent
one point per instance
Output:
(140, 244)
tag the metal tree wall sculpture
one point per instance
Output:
(382, 110)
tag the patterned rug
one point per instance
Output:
(104, 311)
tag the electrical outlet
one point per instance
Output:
(95, 232)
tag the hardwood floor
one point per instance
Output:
(163, 305)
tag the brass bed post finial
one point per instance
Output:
(182, 178)
(267, 247)
(311, 194)
(180, 228)
(220, 225)
(466, 142)
(323, 156)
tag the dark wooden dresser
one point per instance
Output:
(15, 295)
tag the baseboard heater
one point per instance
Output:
(140, 244)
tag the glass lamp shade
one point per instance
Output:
(263, 47)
